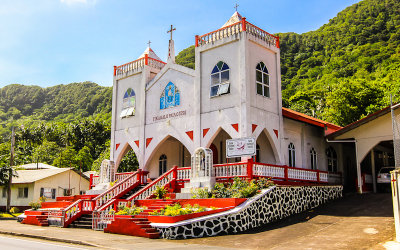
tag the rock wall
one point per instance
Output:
(277, 203)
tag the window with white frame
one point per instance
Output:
(49, 193)
(23, 192)
(313, 155)
(162, 164)
(292, 155)
(220, 79)
(262, 79)
(128, 103)
(332, 159)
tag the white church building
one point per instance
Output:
(164, 111)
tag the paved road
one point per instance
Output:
(13, 243)
(354, 222)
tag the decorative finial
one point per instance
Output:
(171, 30)
(148, 43)
(236, 6)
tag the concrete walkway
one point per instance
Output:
(354, 222)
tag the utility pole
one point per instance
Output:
(10, 174)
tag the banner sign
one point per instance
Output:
(240, 147)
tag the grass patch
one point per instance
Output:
(7, 215)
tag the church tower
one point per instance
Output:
(128, 108)
(239, 84)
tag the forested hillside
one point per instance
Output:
(30, 105)
(346, 69)
(65, 125)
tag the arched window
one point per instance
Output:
(313, 155)
(128, 103)
(262, 79)
(219, 79)
(162, 164)
(332, 159)
(292, 155)
(170, 96)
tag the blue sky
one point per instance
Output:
(50, 42)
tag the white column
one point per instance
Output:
(358, 162)
(373, 170)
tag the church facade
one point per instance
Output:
(164, 111)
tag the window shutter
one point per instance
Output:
(26, 192)
(53, 193)
(41, 192)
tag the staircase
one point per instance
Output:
(85, 221)
(138, 225)
(36, 219)
(132, 191)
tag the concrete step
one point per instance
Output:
(154, 235)
(150, 230)
(144, 225)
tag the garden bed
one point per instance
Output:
(208, 202)
(174, 219)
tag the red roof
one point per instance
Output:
(329, 127)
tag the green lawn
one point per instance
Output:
(7, 215)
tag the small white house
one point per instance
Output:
(47, 181)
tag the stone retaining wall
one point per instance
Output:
(271, 205)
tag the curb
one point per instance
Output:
(77, 242)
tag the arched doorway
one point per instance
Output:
(265, 153)
(219, 144)
(169, 153)
(215, 153)
(127, 160)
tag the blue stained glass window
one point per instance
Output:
(170, 96)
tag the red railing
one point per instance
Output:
(168, 177)
(119, 188)
(252, 170)
(66, 216)
(137, 64)
(236, 28)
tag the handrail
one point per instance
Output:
(223, 28)
(230, 164)
(116, 189)
(149, 189)
(138, 63)
(235, 28)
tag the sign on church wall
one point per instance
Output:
(240, 147)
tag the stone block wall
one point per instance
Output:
(272, 205)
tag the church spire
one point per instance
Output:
(171, 49)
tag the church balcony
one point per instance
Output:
(236, 28)
(133, 67)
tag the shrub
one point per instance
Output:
(134, 210)
(240, 188)
(35, 205)
(160, 192)
(264, 183)
(42, 199)
(200, 193)
(177, 209)
(14, 210)
(221, 191)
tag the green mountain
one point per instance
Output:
(346, 69)
(31, 105)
